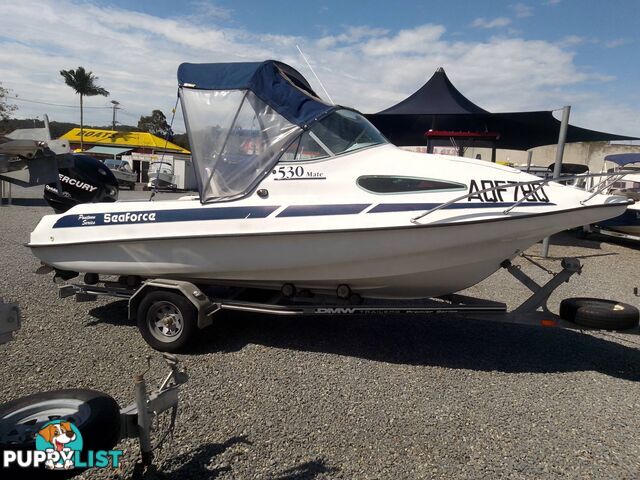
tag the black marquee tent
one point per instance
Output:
(438, 114)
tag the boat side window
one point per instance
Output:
(396, 184)
(304, 148)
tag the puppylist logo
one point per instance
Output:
(59, 446)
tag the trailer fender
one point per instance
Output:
(205, 307)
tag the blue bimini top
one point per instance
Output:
(280, 86)
(623, 159)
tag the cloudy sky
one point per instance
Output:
(503, 55)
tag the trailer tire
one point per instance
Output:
(97, 418)
(569, 306)
(166, 320)
(616, 316)
(599, 313)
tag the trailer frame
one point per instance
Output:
(209, 301)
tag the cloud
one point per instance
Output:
(521, 10)
(618, 42)
(605, 115)
(351, 35)
(410, 41)
(482, 22)
(204, 11)
(136, 58)
(571, 41)
(552, 2)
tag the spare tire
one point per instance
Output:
(569, 306)
(599, 313)
(95, 414)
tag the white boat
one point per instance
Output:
(629, 186)
(161, 175)
(627, 223)
(297, 191)
(122, 171)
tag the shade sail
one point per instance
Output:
(437, 96)
(439, 106)
(108, 150)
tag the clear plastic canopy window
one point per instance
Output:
(234, 138)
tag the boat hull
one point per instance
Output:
(162, 179)
(628, 222)
(404, 262)
(125, 178)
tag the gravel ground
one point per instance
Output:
(331, 397)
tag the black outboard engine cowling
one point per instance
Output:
(86, 180)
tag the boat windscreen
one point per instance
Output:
(345, 131)
(234, 138)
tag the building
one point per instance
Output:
(590, 154)
(139, 149)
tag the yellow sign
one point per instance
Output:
(113, 138)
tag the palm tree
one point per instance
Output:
(83, 83)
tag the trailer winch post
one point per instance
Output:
(144, 420)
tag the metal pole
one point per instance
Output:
(46, 126)
(557, 168)
(144, 420)
(115, 104)
(529, 157)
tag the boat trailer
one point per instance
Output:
(208, 301)
(588, 229)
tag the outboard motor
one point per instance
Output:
(85, 180)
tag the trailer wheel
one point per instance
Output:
(95, 414)
(613, 315)
(569, 306)
(599, 313)
(166, 320)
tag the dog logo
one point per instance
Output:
(60, 440)
(59, 446)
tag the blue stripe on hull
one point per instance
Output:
(164, 216)
(237, 213)
(407, 207)
(315, 210)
